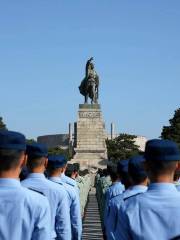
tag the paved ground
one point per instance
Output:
(92, 224)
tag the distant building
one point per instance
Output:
(65, 140)
(55, 140)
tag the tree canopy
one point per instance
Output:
(172, 132)
(60, 151)
(122, 147)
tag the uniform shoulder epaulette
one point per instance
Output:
(131, 196)
(36, 191)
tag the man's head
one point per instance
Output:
(70, 171)
(76, 168)
(136, 170)
(56, 165)
(37, 157)
(12, 152)
(112, 168)
(122, 170)
(162, 157)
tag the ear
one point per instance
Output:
(23, 160)
(46, 162)
(177, 165)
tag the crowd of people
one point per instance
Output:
(39, 193)
(143, 200)
(45, 204)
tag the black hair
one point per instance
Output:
(76, 167)
(9, 159)
(69, 170)
(83, 172)
(160, 167)
(105, 172)
(137, 177)
(125, 180)
(34, 162)
(113, 172)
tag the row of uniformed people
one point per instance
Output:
(149, 208)
(102, 183)
(38, 208)
(84, 184)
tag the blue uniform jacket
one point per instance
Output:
(114, 190)
(114, 206)
(151, 215)
(75, 214)
(75, 210)
(24, 214)
(58, 200)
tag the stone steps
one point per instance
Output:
(92, 229)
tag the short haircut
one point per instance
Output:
(76, 167)
(34, 162)
(137, 177)
(113, 172)
(69, 170)
(9, 159)
(161, 167)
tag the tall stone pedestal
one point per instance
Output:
(90, 147)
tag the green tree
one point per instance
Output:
(122, 147)
(172, 132)
(2, 124)
(30, 141)
(60, 151)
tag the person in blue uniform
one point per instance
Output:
(115, 189)
(24, 214)
(56, 194)
(55, 168)
(139, 180)
(155, 213)
(70, 176)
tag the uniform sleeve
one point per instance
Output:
(76, 221)
(62, 221)
(42, 228)
(122, 231)
(106, 207)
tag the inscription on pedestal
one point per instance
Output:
(89, 114)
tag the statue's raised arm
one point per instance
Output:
(89, 85)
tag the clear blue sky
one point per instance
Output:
(44, 45)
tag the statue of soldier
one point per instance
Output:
(89, 85)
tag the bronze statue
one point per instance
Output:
(90, 84)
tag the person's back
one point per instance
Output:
(23, 214)
(73, 193)
(139, 180)
(57, 196)
(155, 213)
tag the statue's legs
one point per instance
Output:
(86, 98)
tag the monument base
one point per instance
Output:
(90, 146)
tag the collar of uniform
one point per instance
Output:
(55, 179)
(69, 180)
(162, 186)
(9, 182)
(115, 183)
(36, 175)
(138, 187)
